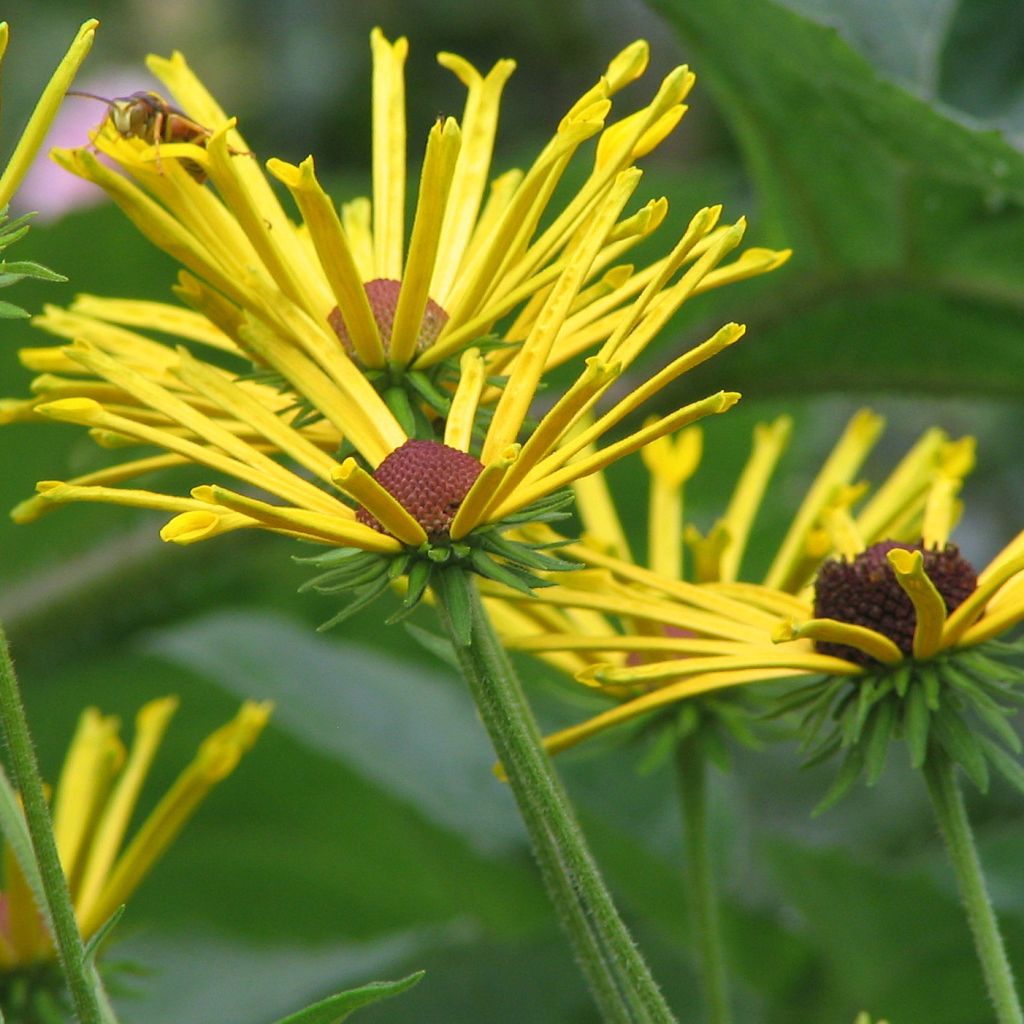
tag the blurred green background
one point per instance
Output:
(365, 836)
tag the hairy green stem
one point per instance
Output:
(25, 771)
(620, 980)
(951, 814)
(691, 771)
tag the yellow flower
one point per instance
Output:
(649, 638)
(93, 804)
(46, 109)
(339, 334)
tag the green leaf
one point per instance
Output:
(9, 311)
(27, 268)
(905, 218)
(337, 1008)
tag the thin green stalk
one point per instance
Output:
(25, 771)
(691, 771)
(948, 804)
(602, 943)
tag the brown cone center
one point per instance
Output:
(865, 592)
(382, 294)
(429, 480)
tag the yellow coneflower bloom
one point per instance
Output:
(93, 803)
(301, 305)
(650, 638)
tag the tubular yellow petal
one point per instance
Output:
(601, 523)
(55, 492)
(622, 642)
(277, 247)
(380, 503)
(928, 602)
(627, 65)
(962, 620)
(592, 383)
(479, 125)
(216, 759)
(157, 316)
(443, 145)
(542, 482)
(388, 153)
(530, 361)
(670, 466)
(45, 111)
(476, 502)
(750, 263)
(750, 658)
(901, 493)
(461, 418)
(237, 403)
(843, 535)
(867, 640)
(770, 441)
(92, 762)
(336, 257)
(150, 724)
(660, 698)
(778, 602)
(844, 461)
(203, 524)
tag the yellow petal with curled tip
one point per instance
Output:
(479, 125)
(941, 507)
(908, 567)
(55, 492)
(46, 109)
(388, 153)
(336, 257)
(150, 724)
(863, 639)
(379, 502)
(443, 145)
(670, 464)
(217, 757)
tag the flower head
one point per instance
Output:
(344, 344)
(901, 610)
(93, 804)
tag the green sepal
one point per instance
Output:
(419, 580)
(352, 577)
(337, 1008)
(435, 399)
(990, 711)
(439, 555)
(527, 555)
(958, 741)
(1007, 765)
(849, 772)
(397, 400)
(96, 941)
(509, 575)
(877, 734)
(916, 722)
(452, 586)
(930, 681)
(331, 558)
(901, 678)
(361, 601)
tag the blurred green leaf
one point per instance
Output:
(335, 1009)
(907, 222)
(407, 727)
(879, 929)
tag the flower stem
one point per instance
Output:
(948, 804)
(620, 980)
(25, 770)
(691, 771)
